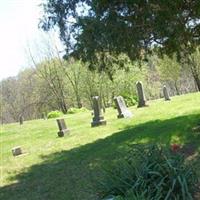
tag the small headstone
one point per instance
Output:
(141, 95)
(16, 151)
(21, 119)
(62, 127)
(98, 118)
(166, 94)
(44, 116)
(123, 111)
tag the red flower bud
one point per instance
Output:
(175, 147)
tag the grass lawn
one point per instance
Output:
(69, 168)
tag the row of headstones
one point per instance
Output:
(123, 111)
(119, 101)
(141, 95)
(98, 118)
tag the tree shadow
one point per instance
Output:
(74, 174)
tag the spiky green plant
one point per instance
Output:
(151, 172)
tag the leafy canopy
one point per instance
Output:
(90, 28)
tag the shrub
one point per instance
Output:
(76, 110)
(130, 100)
(54, 114)
(150, 172)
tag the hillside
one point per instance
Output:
(69, 167)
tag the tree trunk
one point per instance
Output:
(176, 87)
(194, 71)
(78, 100)
(197, 81)
(63, 107)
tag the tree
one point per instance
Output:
(49, 67)
(19, 96)
(73, 70)
(52, 72)
(10, 100)
(90, 28)
(191, 61)
(170, 70)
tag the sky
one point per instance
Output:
(18, 27)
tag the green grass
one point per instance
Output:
(69, 168)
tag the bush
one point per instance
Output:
(130, 100)
(54, 114)
(150, 172)
(76, 110)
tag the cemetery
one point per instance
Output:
(103, 103)
(72, 165)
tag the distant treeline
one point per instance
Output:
(57, 84)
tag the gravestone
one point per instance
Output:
(16, 151)
(123, 111)
(62, 127)
(21, 119)
(166, 94)
(141, 95)
(98, 118)
(44, 116)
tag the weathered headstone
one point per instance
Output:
(16, 151)
(44, 116)
(166, 94)
(123, 111)
(21, 119)
(98, 118)
(141, 95)
(62, 127)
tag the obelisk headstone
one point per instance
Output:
(62, 127)
(141, 95)
(166, 94)
(98, 118)
(123, 111)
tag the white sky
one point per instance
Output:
(18, 27)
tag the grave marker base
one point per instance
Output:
(127, 114)
(98, 123)
(63, 132)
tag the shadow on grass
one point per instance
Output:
(73, 174)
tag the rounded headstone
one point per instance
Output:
(98, 118)
(141, 95)
(166, 94)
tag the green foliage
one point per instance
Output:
(191, 62)
(129, 196)
(59, 84)
(112, 26)
(81, 156)
(169, 68)
(76, 110)
(152, 171)
(124, 81)
(54, 114)
(129, 99)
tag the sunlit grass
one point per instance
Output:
(71, 160)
